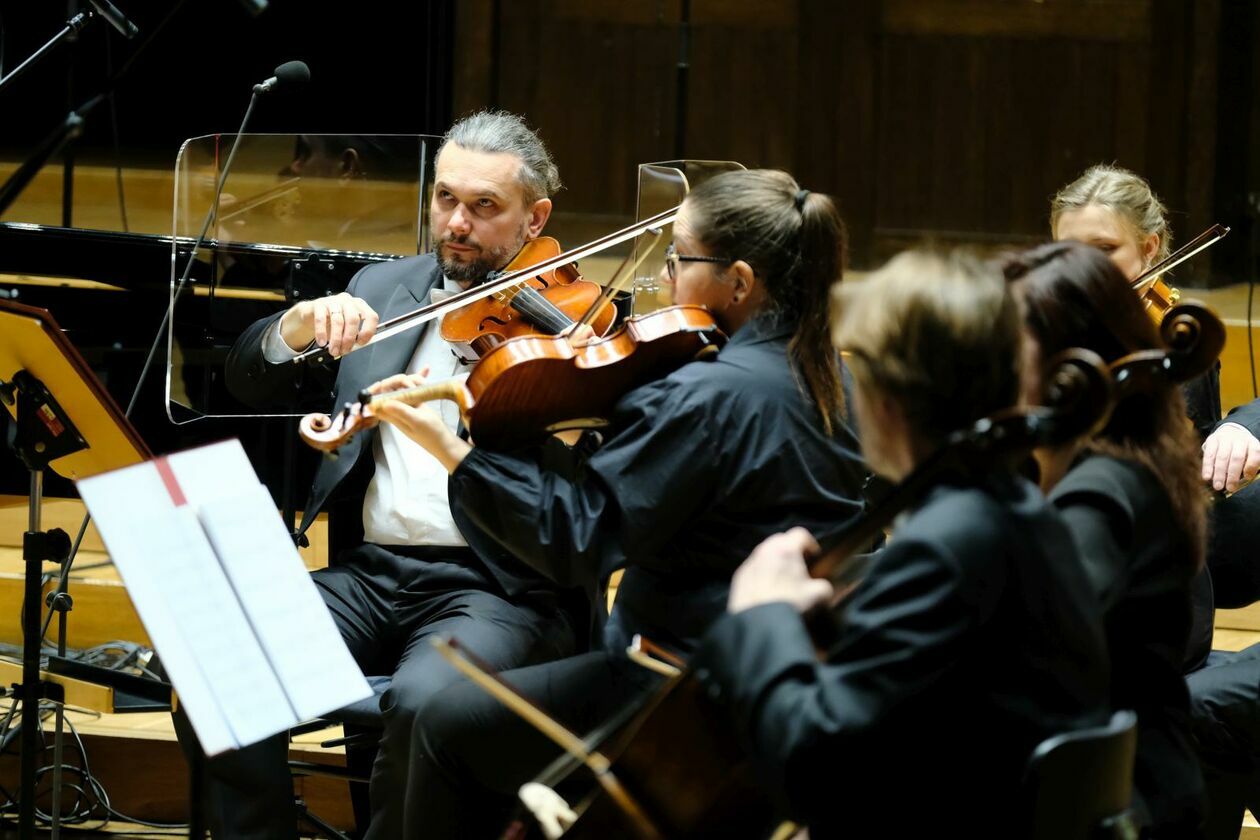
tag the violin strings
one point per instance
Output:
(531, 303)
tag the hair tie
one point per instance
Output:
(800, 199)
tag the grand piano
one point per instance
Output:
(294, 222)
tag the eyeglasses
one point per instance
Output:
(673, 258)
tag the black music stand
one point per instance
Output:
(64, 419)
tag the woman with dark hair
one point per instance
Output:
(1133, 500)
(974, 633)
(694, 471)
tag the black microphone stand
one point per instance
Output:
(73, 26)
(72, 126)
(59, 601)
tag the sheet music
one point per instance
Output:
(114, 513)
(223, 593)
(281, 602)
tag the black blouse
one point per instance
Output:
(1124, 528)
(696, 470)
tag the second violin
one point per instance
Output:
(531, 386)
(549, 303)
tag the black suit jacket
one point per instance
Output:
(392, 289)
(1232, 577)
(973, 636)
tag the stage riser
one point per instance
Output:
(148, 779)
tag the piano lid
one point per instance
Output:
(136, 261)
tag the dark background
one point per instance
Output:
(949, 119)
(377, 67)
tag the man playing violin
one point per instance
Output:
(694, 469)
(410, 573)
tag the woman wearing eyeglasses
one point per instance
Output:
(695, 470)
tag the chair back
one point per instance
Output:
(1079, 784)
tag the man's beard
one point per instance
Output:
(473, 272)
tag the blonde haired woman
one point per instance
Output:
(1116, 211)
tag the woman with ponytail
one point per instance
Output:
(694, 471)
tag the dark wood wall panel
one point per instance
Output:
(742, 96)
(951, 118)
(599, 87)
(1084, 20)
(976, 134)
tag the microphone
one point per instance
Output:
(289, 74)
(116, 19)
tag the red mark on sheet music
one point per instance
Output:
(168, 478)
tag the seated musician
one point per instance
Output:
(411, 574)
(1115, 210)
(974, 634)
(695, 470)
(1133, 501)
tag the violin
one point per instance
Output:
(1157, 296)
(551, 302)
(418, 317)
(532, 386)
(671, 764)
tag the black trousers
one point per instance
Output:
(471, 753)
(1225, 720)
(387, 603)
(1234, 547)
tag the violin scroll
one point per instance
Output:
(328, 434)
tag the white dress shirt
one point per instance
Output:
(406, 501)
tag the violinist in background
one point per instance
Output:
(695, 470)
(1115, 210)
(974, 634)
(1133, 501)
(407, 572)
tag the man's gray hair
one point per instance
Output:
(500, 132)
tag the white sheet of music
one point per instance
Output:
(223, 593)
(297, 633)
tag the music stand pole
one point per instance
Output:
(36, 361)
(29, 695)
(37, 417)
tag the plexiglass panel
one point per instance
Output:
(663, 186)
(297, 217)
